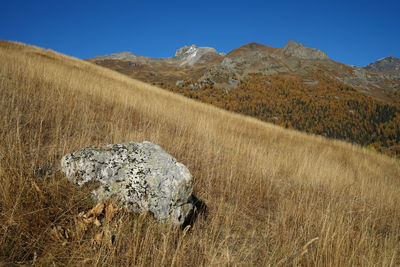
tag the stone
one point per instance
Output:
(142, 176)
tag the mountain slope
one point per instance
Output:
(275, 196)
(387, 64)
(226, 71)
(319, 105)
(309, 91)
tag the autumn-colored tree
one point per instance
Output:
(329, 108)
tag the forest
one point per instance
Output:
(325, 107)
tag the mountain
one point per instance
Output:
(294, 86)
(204, 65)
(387, 64)
(184, 56)
(275, 197)
(297, 50)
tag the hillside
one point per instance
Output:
(205, 66)
(359, 105)
(275, 196)
(329, 108)
(387, 64)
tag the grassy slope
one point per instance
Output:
(330, 108)
(271, 192)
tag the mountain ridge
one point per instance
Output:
(292, 48)
(204, 65)
(128, 55)
(386, 64)
(186, 55)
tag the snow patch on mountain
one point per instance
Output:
(189, 55)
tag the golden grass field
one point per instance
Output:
(276, 197)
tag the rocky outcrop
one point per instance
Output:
(293, 49)
(189, 55)
(142, 176)
(387, 64)
(118, 56)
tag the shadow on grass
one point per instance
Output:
(199, 208)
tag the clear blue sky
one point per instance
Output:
(352, 32)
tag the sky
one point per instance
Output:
(351, 32)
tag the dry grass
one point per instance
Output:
(275, 197)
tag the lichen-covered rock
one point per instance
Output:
(141, 175)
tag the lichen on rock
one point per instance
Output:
(141, 175)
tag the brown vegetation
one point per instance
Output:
(328, 107)
(275, 196)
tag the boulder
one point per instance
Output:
(142, 176)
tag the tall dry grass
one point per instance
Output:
(275, 197)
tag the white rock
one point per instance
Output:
(141, 175)
(190, 55)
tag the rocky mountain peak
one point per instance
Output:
(293, 43)
(187, 49)
(293, 49)
(254, 46)
(189, 55)
(387, 64)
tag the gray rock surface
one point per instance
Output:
(141, 175)
(189, 55)
(119, 56)
(300, 51)
(228, 63)
(387, 64)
